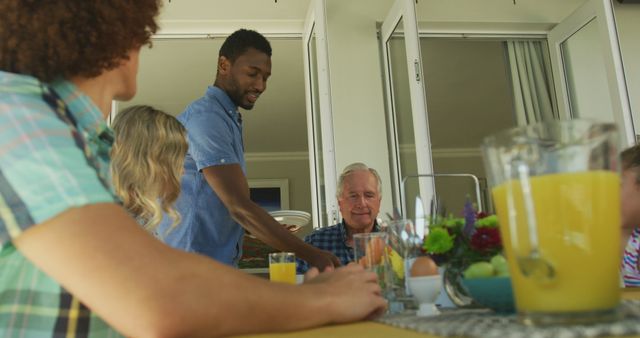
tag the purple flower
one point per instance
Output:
(469, 219)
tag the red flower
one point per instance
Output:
(481, 215)
(485, 239)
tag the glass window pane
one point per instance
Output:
(585, 74)
(469, 98)
(406, 148)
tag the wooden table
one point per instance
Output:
(377, 330)
(362, 329)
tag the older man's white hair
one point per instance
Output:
(357, 166)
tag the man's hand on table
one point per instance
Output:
(323, 259)
(354, 293)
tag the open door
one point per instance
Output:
(587, 68)
(319, 118)
(408, 129)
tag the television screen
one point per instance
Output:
(271, 194)
(269, 198)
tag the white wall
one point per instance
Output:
(356, 87)
(292, 166)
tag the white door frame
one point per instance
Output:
(405, 10)
(316, 22)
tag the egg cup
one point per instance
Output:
(425, 290)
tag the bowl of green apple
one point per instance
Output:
(489, 284)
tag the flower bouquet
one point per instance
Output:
(468, 247)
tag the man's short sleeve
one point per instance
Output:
(42, 170)
(211, 138)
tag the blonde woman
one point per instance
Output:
(146, 163)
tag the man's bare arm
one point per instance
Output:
(230, 184)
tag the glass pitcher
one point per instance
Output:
(556, 190)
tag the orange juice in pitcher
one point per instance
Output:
(578, 226)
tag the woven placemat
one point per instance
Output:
(485, 323)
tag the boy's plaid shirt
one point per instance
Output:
(43, 172)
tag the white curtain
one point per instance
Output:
(534, 98)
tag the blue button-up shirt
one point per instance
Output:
(214, 133)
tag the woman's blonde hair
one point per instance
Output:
(146, 163)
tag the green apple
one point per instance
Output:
(479, 270)
(500, 265)
(503, 274)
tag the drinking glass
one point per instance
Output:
(370, 251)
(282, 267)
(403, 247)
(555, 187)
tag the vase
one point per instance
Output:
(452, 282)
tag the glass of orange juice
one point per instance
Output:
(556, 191)
(282, 267)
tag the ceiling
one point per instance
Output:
(224, 16)
(250, 10)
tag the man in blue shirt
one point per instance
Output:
(214, 203)
(359, 195)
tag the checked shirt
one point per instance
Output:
(332, 239)
(54, 156)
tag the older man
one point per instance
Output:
(359, 195)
